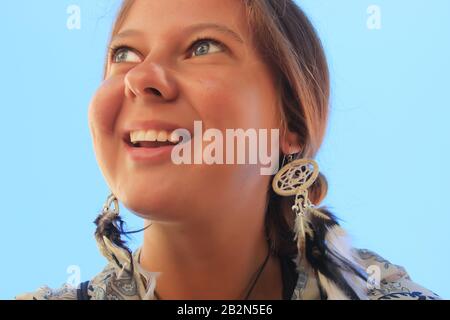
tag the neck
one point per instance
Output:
(213, 259)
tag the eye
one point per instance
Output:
(203, 46)
(120, 54)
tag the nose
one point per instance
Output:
(150, 80)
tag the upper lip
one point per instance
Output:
(149, 125)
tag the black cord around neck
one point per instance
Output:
(261, 268)
(257, 276)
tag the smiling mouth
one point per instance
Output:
(152, 138)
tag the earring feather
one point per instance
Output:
(318, 235)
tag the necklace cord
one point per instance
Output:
(261, 268)
(257, 276)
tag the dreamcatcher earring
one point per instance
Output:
(108, 233)
(330, 255)
(294, 178)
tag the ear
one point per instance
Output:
(290, 143)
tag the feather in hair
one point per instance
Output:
(332, 291)
(327, 251)
(340, 244)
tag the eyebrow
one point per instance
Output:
(191, 29)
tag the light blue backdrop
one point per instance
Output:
(386, 155)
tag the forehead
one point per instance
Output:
(159, 17)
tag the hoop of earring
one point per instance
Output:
(111, 200)
(294, 178)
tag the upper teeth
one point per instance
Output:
(154, 135)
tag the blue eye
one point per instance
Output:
(203, 46)
(199, 47)
(120, 54)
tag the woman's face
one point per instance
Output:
(159, 78)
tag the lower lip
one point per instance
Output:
(149, 154)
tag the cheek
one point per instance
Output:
(105, 107)
(103, 113)
(236, 103)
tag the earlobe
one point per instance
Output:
(290, 143)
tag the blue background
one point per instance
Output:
(386, 154)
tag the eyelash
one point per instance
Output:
(115, 48)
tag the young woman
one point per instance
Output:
(220, 231)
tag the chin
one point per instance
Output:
(151, 204)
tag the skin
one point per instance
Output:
(207, 234)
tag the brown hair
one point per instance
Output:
(288, 43)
